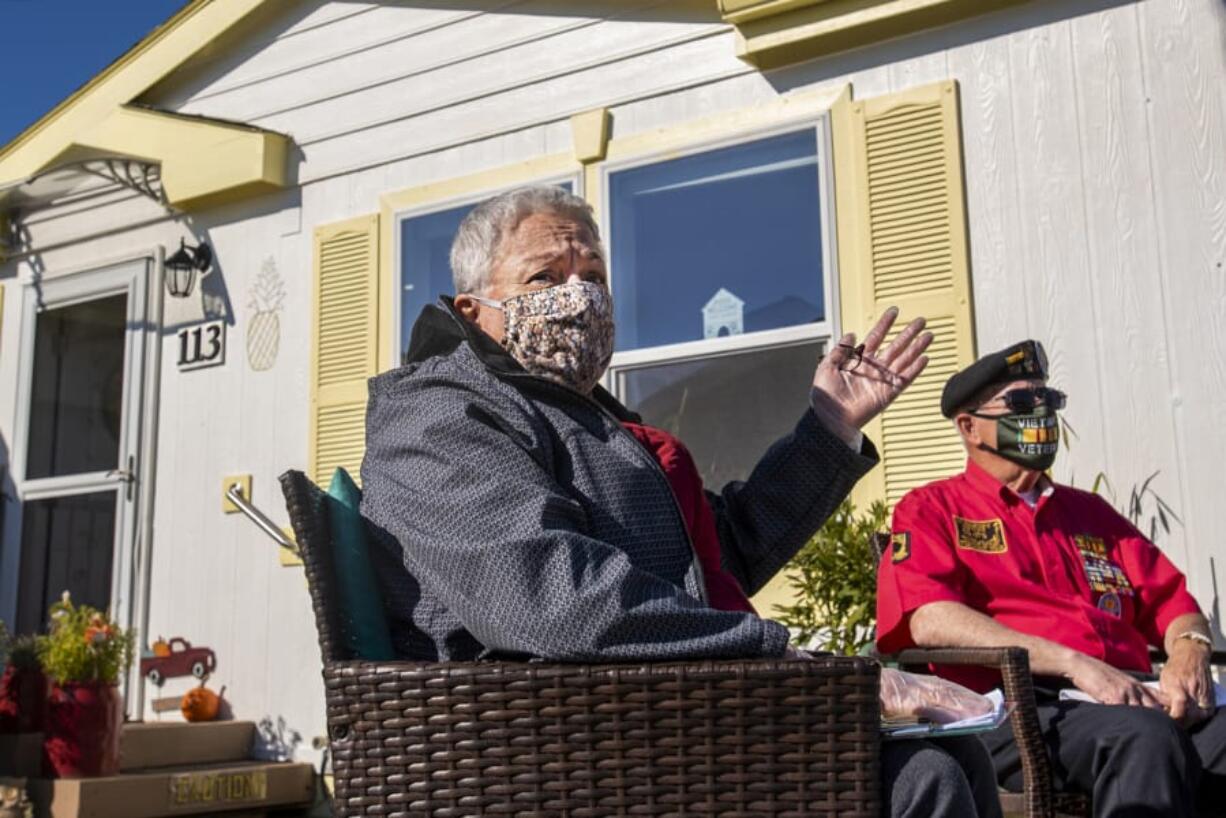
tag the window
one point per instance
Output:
(721, 278)
(727, 409)
(719, 243)
(425, 258)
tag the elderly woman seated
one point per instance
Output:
(529, 514)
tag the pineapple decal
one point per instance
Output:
(264, 328)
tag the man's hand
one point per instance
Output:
(1111, 686)
(1186, 683)
(906, 694)
(853, 384)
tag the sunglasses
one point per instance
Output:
(1027, 399)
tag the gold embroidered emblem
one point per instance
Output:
(900, 546)
(984, 536)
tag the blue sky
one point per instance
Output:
(49, 48)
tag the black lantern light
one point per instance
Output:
(181, 268)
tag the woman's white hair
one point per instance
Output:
(483, 229)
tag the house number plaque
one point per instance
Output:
(202, 345)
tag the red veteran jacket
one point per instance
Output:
(723, 591)
(1071, 570)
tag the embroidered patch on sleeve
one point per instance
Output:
(900, 546)
(1103, 573)
(984, 536)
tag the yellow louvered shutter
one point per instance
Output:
(902, 242)
(344, 344)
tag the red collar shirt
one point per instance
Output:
(1070, 570)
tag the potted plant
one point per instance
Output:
(23, 686)
(834, 577)
(84, 653)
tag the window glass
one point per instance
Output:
(67, 544)
(718, 243)
(77, 397)
(425, 261)
(726, 409)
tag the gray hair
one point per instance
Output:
(476, 241)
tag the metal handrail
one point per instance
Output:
(235, 495)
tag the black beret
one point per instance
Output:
(1022, 360)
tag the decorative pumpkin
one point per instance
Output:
(201, 704)
(161, 647)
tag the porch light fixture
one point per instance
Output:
(181, 268)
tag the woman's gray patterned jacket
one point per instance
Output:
(518, 517)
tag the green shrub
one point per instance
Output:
(834, 577)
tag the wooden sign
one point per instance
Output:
(202, 345)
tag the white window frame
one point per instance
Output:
(575, 178)
(710, 348)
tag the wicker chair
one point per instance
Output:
(535, 738)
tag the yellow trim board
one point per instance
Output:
(674, 140)
(423, 196)
(773, 33)
(590, 132)
(741, 11)
(203, 162)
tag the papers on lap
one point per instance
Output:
(894, 729)
(1072, 694)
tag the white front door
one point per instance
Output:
(75, 448)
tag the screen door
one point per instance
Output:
(75, 452)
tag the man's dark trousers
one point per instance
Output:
(1132, 761)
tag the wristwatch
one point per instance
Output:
(1196, 636)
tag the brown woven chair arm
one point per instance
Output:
(998, 658)
(750, 737)
(1014, 667)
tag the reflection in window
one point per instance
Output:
(718, 243)
(727, 409)
(67, 544)
(425, 261)
(77, 399)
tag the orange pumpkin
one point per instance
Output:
(201, 704)
(161, 647)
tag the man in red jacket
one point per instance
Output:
(1001, 555)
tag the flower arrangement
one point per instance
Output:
(83, 645)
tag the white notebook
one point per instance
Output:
(1072, 694)
(977, 724)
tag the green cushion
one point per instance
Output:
(363, 620)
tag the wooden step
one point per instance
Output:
(151, 745)
(242, 787)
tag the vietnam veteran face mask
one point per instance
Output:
(1029, 439)
(563, 333)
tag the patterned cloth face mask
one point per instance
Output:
(563, 333)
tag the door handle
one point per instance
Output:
(126, 476)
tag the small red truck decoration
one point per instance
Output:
(176, 658)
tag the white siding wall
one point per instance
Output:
(1095, 139)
